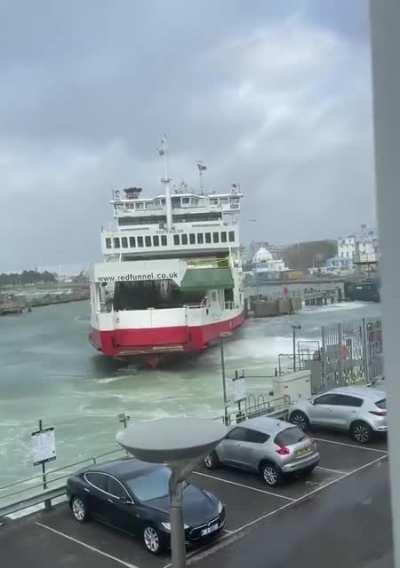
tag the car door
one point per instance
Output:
(250, 451)
(322, 410)
(122, 510)
(97, 495)
(345, 410)
(230, 449)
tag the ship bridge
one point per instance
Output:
(199, 224)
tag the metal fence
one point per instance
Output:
(346, 353)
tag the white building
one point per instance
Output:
(362, 247)
(265, 262)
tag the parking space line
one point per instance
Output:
(88, 546)
(312, 492)
(330, 470)
(348, 445)
(244, 486)
(229, 539)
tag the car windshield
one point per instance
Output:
(289, 436)
(381, 403)
(151, 485)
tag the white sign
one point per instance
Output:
(239, 389)
(43, 446)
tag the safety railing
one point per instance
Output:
(34, 490)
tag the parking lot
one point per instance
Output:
(346, 494)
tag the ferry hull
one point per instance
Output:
(161, 340)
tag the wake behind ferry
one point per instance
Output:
(171, 280)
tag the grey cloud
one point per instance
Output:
(276, 97)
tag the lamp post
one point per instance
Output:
(221, 337)
(294, 328)
(179, 443)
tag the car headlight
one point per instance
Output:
(167, 526)
(220, 507)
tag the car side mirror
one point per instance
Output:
(312, 402)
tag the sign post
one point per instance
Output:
(43, 448)
(239, 390)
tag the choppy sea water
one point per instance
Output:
(49, 371)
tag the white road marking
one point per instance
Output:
(88, 546)
(331, 470)
(229, 539)
(244, 486)
(348, 445)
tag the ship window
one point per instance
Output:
(139, 205)
(164, 240)
(156, 241)
(147, 240)
(184, 239)
(215, 237)
(192, 239)
(176, 240)
(223, 237)
(185, 201)
(200, 238)
(140, 241)
(208, 237)
(231, 236)
(108, 243)
(213, 201)
(124, 241)
(116, 242)
(132, 242)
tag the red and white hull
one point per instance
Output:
(131, 341)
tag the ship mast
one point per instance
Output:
(163, 151)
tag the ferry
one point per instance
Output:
(171, 280)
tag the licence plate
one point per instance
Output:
(209, 530)
(303, 452)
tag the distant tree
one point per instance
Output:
(26, 277)
(301, 256)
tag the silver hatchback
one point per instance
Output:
(268, 446)
(361, 411)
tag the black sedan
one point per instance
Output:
(132, 496)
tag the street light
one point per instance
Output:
(294, 328)
(222, 337)
(179, 443)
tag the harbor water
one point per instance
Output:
(49, 371)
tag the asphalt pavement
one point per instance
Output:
(337, 518)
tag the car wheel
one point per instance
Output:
(300, 419)
(211, 461)
(271, 474)
(79, 510)
(152, 540)
(361, 432)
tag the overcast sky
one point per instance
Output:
(274, 95)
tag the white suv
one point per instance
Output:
(359, 410)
